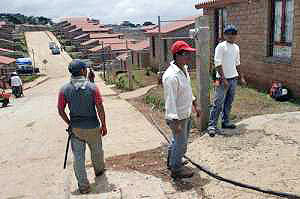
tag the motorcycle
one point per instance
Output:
(4, 98)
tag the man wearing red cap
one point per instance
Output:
(179, 101)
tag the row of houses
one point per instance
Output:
(99, 44)
(7, 46)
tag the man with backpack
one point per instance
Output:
(85, 104)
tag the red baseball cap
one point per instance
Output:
(181, 45)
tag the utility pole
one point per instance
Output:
(129, 68)
(104, 75)
(33, 61)
(202, 63)
(159, 45)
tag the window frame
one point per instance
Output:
(283, 30)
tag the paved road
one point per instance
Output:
(33, 139)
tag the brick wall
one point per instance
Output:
(253, 21)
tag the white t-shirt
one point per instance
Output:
(227, 55)
(16, 81)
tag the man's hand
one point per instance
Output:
(243, 81)
(226, 84)
(178, 127)
(103, 131)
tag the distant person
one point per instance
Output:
(179, 101)
(227, 59)
(16, 85)
(91, 75)
(86, 108)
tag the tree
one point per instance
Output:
(148, 23)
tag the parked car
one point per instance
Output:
(55, 51)
(52, 44)
(27, 69)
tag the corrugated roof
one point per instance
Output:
(6, 60)
(172, 26)
(216, 3)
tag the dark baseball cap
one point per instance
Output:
(76, 65)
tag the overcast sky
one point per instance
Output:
(108, 11)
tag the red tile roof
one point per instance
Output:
(111, 41)
(120, 46)
(89, 42)
(6, 50)
(95, 49)
(75, 29)
(6, 60)
(140, 45)
(80, 36)
(173, 26)
(215, 3)
(103, 35)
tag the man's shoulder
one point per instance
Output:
(66, 86)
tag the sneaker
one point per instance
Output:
(85, 189)
(184, 162)
(183, 173)
(228, 126)
(212, 131)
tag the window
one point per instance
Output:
(153, 46)
(282, 28)
(220, 22)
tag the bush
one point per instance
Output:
(155, 101)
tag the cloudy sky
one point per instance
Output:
(108, 11)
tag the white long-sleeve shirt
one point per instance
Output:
(177, 93)
(227, 55)
(16, 81)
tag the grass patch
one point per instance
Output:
(140, 78)
(248, 102)
(29, 78)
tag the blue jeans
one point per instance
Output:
(178, 145)
(79, 140)
(222, 103)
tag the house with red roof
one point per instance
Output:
(160, 54)
(7, 66)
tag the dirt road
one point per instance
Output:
(33, 136)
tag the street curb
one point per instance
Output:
(37, 83)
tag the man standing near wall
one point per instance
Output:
(179, 101)
(84, 101)
(227, 59)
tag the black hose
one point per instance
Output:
(201, 168)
